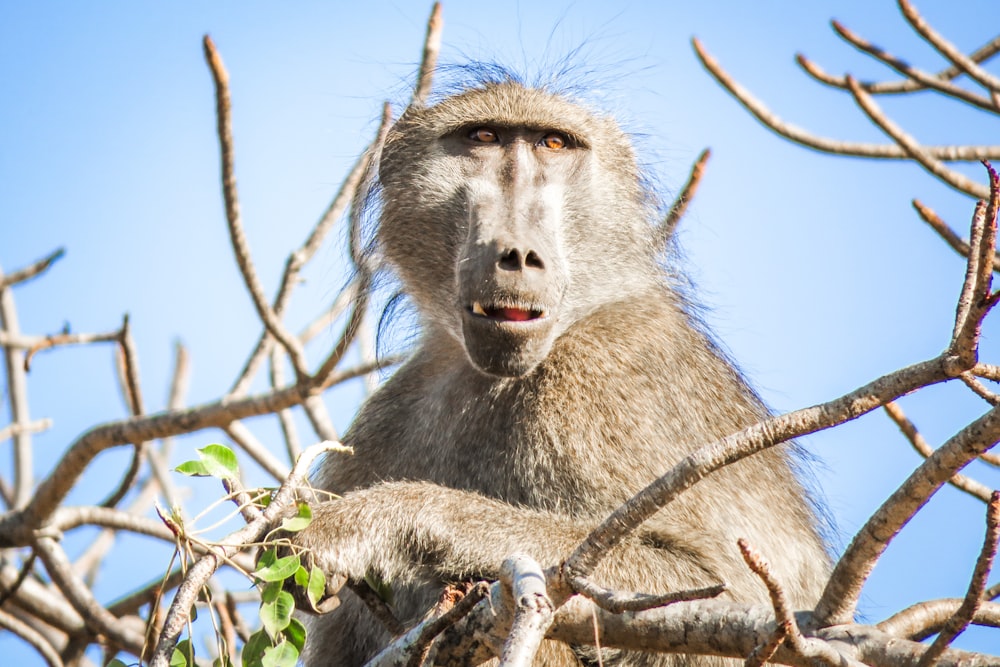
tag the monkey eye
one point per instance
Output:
(484, 135)
(554, 140)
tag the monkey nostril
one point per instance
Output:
(513, 260)
(533, 260)
(510, 260)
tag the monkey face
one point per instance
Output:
(500, 214)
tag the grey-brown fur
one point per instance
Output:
(497, 438)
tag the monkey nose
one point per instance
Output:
(515, 259)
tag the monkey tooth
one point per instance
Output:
(477, 309)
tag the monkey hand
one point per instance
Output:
(370, 534)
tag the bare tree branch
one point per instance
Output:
(973, 597)
(432, 46)
(924, 619)
(947, 233)
(240, 247)
(667, 228)
(986, 51)
(33, 637)
(32, 270)
(913, 148)
(17, 396)
(925, 79)
(800, 136)
(840, 598)
(127, 634)
(961, 482)
(950, 51)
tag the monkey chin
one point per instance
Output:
(507, 348)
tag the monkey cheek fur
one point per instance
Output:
(507, 348)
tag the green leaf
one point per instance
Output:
(282, 655)
(279, 570)
(296, 634)
(302, 577)
(254, 649)
(302, 519)
(115, 662)
(316, 588)
(276, 615)
(193, 469)
(221, 459)
(183, 655)
(213, 461)
(222, 661)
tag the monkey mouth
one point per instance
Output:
(507, 313)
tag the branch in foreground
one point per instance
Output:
(732, 448)
(925, 619)
(523, 582)
(839, 600)
(411, 649)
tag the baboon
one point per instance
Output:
(557, 373)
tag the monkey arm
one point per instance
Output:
(411, 532)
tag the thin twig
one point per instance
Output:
(882, 151)
(785, 625)
(617, 602)
(32, 270)
(949, 50)
(959, 481)
(288, 430)
(296, 262)
(241, 249)
(667, 228)
(130, 386)
(95, 615)
(973, 597)
(432, 46)
(958, 244)
(926, 79)
(249, 443)
(37, 426)
(984, 52)
(979, 389)
(37, 344)
(923, 155)
(17, 397)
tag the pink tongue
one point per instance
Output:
(514, 314)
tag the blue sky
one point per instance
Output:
(815, 272)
